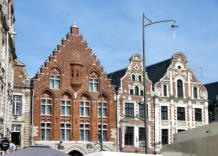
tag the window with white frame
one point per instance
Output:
(129, 136)
(17, 105)
(133, 77)
(84, 108)
(129, 109)
(45, 131)
(54, 81)
(93, 85)
(102, 107)
(104, 128)
(198, 114)
(165, 136)
(164, 112)
(136, 90)
(179, 88)
(140, 78)
(141, 111)
(195, 92)
(45, 106)
(65, 131)
(180, 113)
(16, 134)
(84, 131)
(65, 107)
(164, 90)
(131, 91)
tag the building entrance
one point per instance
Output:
(75, 153)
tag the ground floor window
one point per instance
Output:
(104, 132)
(84, 131)
(16, 134)
(129, 136)
(141, 137)
(164, 136)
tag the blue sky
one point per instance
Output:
(113, 29)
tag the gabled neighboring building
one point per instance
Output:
(212, 89)
(21, 109)
(177, 101)
(7, 57)
(67, 100)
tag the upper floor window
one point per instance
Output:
(129, 109)
(164, 90)
(179, 88)
(164, 112)
(141, 111)
(54, 81)
(140, 78)
(181, 113)
(142, 92)
(45, 106)
(133, 77)
(104, 128)
(65, 107)
(45, 131)
(102, 107)
(198, 114)
(129, 136)
(17, 105)
(65, 131)
(195, 92)
(131, 91)
(84, 108)
(136, 90)
(84, 131)
(93, 85)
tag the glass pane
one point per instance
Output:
(90, 87)
(62, 102)
(81, 111)
(68, 125)
(86, 111)
(43, 101)
(67, 134)
(86, 103)
(62, 125)
(48, 101)
(82, 135)
(67, 110)
(86, 125)
(57, 77)
(62, 110)
(68, 102)
(42, 109)
(57, 84)
(42, 124)
(104, 135)
(51, 83)
(62, 134)
(95, 87)
(48, 124)
(48, 110)
(104, 112)
(48, 134)
(81, 103)
(42, 134)
(86, 135)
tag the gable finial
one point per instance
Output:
(74, 24)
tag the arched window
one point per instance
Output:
(140, 78)
(136, 90)
(179, 88)
(133, 77)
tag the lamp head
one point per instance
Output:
(174, 25)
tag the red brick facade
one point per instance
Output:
(74, 65)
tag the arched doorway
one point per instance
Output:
(75, 153)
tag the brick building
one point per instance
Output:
(177, 101)
(21, 109)
(67, 99)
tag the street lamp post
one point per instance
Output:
(150, 22)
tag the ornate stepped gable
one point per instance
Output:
(75, 65)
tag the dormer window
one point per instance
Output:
(164, 90)
(179, 88)
(195, 92)
(140, 78)
(133, 77)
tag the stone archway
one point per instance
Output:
(75, 153)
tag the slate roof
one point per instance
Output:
(155, 72)
(212, 89)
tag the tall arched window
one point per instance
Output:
(136, 90)
(140, 78)
(133, 77)
(179, 88)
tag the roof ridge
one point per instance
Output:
(160, 62)
(210, 83)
